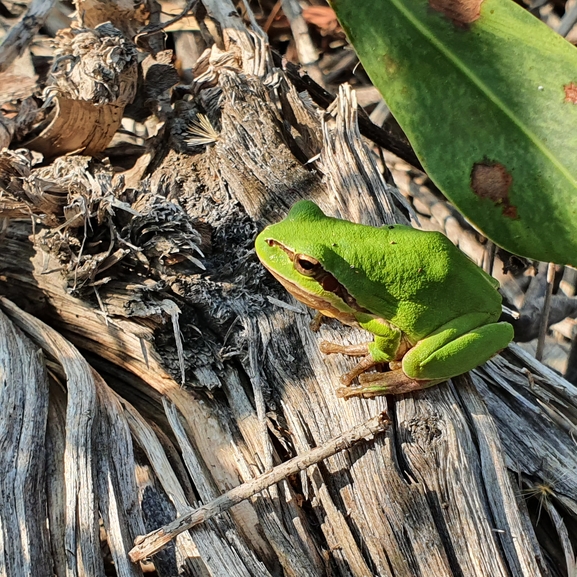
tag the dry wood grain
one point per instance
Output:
(152, 543)
(24, 544)
(82, 542)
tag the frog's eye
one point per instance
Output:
(306, 265)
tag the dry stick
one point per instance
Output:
(308, 54)
(149, 544)
(489, 257)
(271, 17)
(22, 33)
(154, 28)
(568, 21)
(546, 311)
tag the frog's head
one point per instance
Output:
(297, 228)
(295, 251)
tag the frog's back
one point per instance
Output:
(417, 278)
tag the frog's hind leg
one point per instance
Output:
(436, 359)
(383, 349)
(448, 352)
(360, 350)
(389, 346)
(393, 382)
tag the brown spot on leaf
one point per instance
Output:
(570, 92)
(492, 181)
(510, 211)
(460, 12)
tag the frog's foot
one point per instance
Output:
(358, 370)
(361, 350)
(393, 382)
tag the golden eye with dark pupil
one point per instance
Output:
(306, 265)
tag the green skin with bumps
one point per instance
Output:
(432, 312)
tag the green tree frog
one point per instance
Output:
(432, 312)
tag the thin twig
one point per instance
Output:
(308, 54)
(153, 542)
(489, 257)
(271, 17)
(546, 310)
(149, 30)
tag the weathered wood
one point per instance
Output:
(115, 483)
(24, 547)
(82, 542)
(56, 491)
(21, 35)
(152, 543)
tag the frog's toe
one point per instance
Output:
(361, 367)
(389, 383)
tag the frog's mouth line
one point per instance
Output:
(311, 268)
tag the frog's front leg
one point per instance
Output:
(387, 346)
(360, 350)
(453, 349)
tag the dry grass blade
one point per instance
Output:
(201, 132)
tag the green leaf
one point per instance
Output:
(487, 95)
